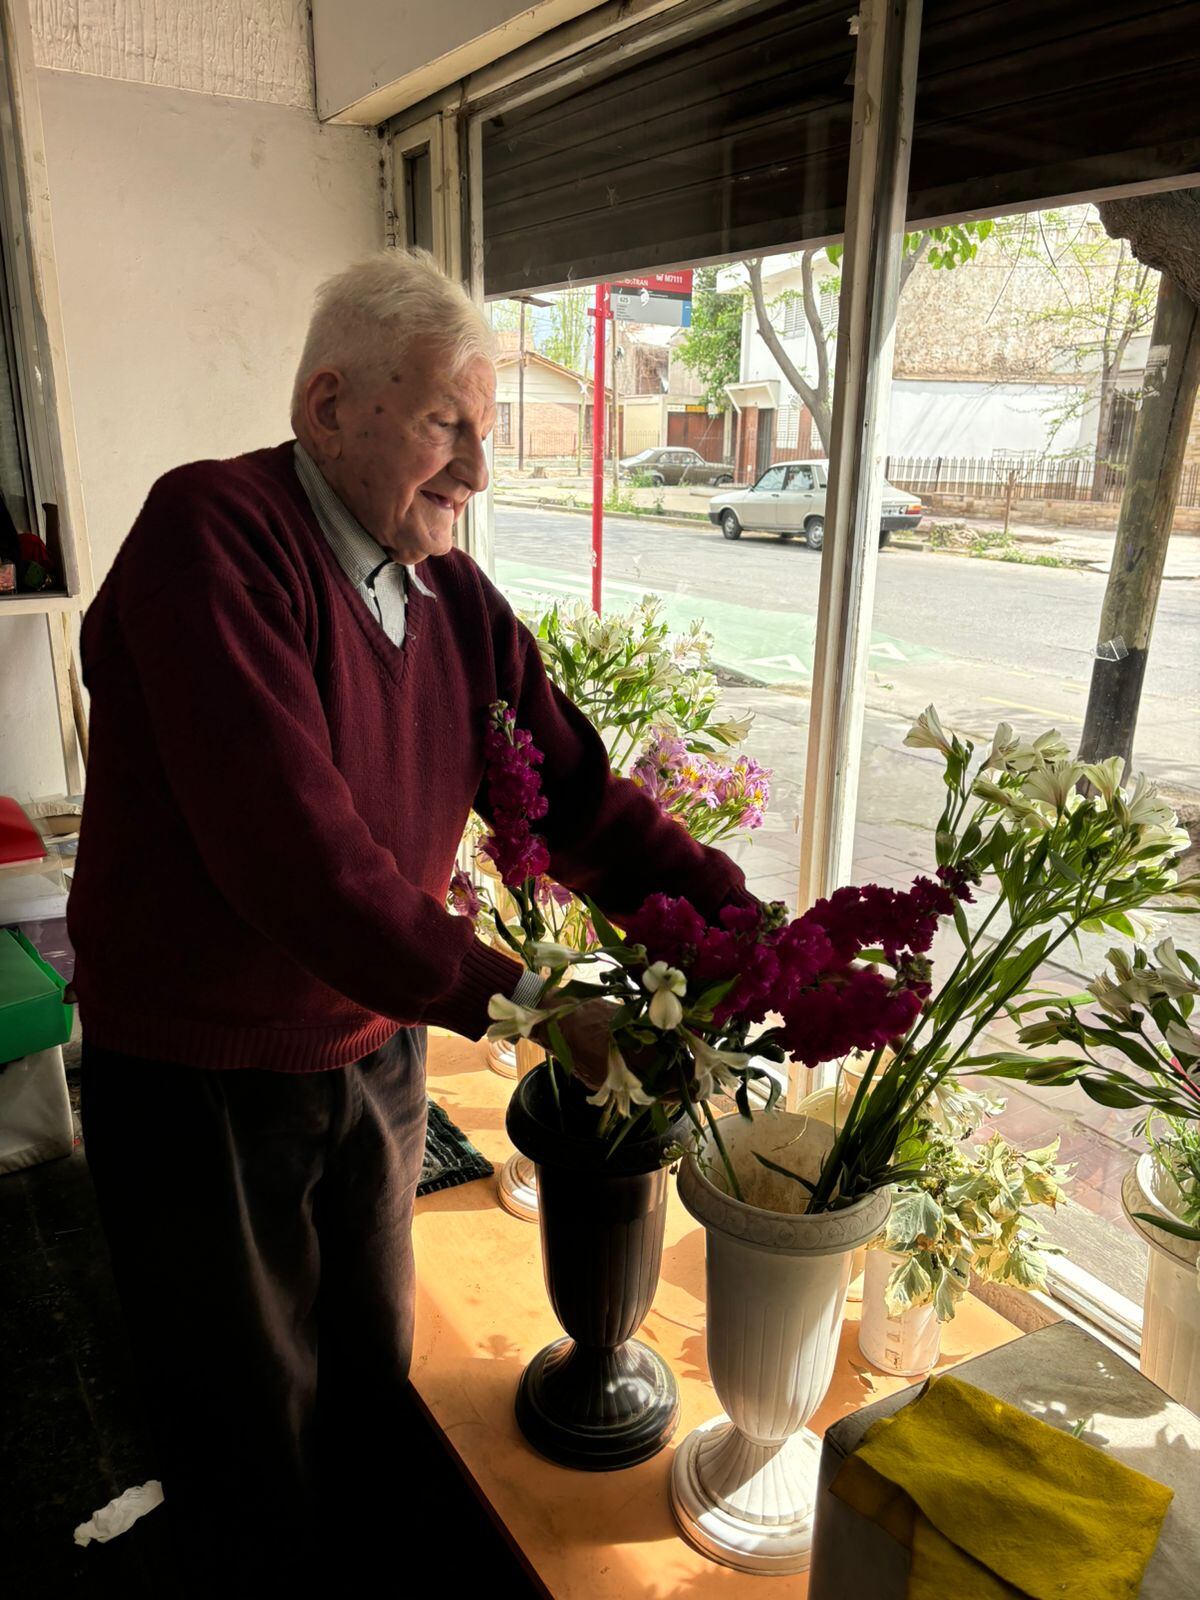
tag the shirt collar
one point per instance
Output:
(358, 553)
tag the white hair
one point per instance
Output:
(366, 317)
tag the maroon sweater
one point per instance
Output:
(275, 793)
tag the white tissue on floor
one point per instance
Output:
(120, 1514)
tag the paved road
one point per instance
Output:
(1034, 619)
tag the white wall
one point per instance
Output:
(189, 231)
(542, 387)
(376, 57)
(930, 418)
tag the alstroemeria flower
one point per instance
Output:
(1105, 776)
(1054, 783)
(1144, 809)
(985, 789)
(511, 1021)
(715, 1069)
(664, 984)
(1182, 1038)
(927, 733)
(621, 1088)
(548, 954)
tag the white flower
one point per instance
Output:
(1048, 746)
(715, 1069)
(511, 1021)
(1113, 997)
(1053, 784)
(1004, 743)
(1169, 964)
(734, 731)
(958, 1111)
(1105, 776)
(927, 733)
(665, 984)
(1164, 842)
(985, 789)
(621, 1088)
(1144, 809)
(547, 954)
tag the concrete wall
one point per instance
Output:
(190, 228)
(931, 418)
(376, 57)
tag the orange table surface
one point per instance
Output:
(482, 1313)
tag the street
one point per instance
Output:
(987, 640)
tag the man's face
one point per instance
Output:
(405, 454)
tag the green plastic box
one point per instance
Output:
(33, 1014)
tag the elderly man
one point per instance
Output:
(290, 668)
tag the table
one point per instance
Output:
(482, 1313)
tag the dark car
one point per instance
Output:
(675, 465)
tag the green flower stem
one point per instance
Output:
(720, 1144)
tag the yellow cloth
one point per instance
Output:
(994, 1504)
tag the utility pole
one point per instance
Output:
(614, 426)
(601, 313)
(1144, 527)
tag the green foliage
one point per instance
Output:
(968, 1211)
(1058, 861)
(712, 346)
(567, 339)
(943, 248)
(505, 315)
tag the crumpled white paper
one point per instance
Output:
(120, 1514)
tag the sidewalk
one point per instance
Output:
(1089, 548)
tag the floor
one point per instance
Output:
(72, 1436)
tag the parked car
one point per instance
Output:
(674, 465)
(789, 499)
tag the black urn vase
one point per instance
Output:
(598, 1399)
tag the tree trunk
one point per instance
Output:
(1144, 528)
(816, 397)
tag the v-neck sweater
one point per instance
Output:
(276, 793)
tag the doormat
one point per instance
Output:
(450, 1157)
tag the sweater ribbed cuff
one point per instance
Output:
(464, 1008)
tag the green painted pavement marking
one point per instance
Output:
(769, 646)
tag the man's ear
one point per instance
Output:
(324, 394)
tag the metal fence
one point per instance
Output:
(1032, 478)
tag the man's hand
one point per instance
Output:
(587, 1031)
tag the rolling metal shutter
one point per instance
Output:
(735, 139)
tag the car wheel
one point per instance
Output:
(814, 532)
(885, 537)
(657, 480)
(730, 526)
(724, 482)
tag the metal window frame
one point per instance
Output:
(885, 83)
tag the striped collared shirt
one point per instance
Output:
(379, 580)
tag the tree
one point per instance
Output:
(712, 346)
(505, 315)
(945, 248)
(1104, 297)
(567, 339)
(1163, 232)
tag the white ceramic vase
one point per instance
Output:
(518, 1176)
(908, 1344)
(743, 1485)
(1171, 1308)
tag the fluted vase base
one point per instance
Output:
(502, 1058)
(747, 1505)
(597, 1410)
(518, 1188)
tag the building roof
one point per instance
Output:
(510, 358)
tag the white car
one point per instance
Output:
(789, 499)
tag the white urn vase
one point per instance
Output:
(743, 1485)
(1171, 1308)
(517, 1183)
(908, 1344)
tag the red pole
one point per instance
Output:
(599, 411)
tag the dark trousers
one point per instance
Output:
(259, 1225)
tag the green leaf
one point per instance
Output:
(784, 1171)
(1181, 1230)
(559, 1045)
(1109, 1094)
(964, 932)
